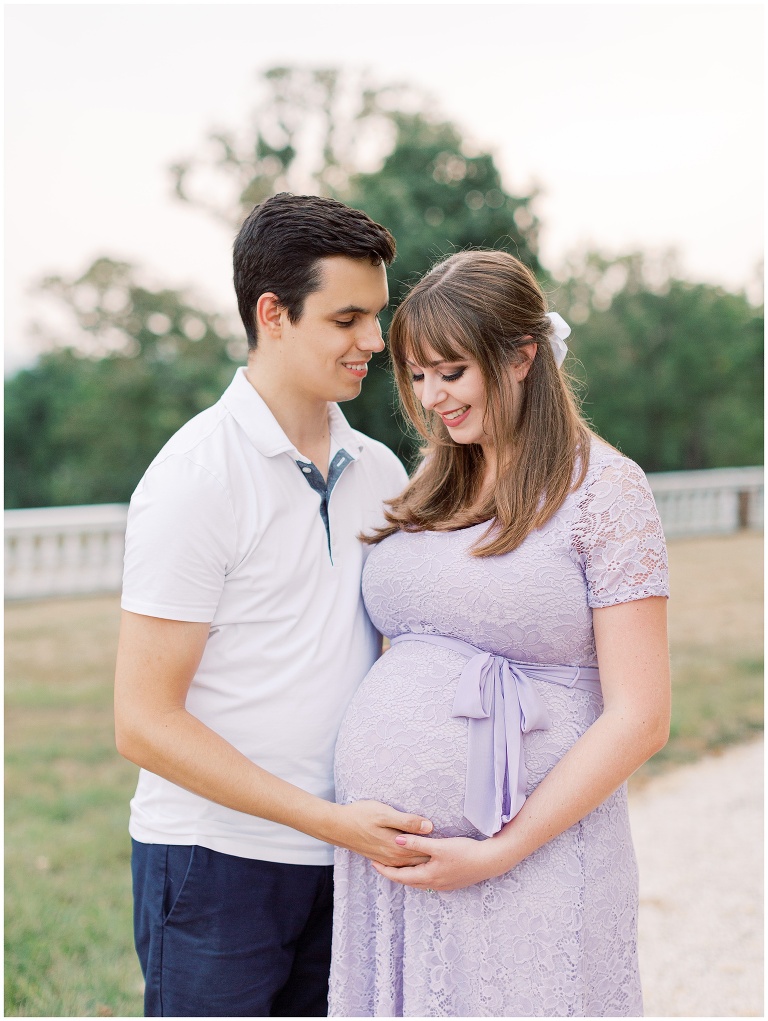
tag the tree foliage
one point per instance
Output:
(310, 133)
(82, 424)
(310, 130)
(673, 370)
(436, 199)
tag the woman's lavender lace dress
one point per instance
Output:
(555, 936)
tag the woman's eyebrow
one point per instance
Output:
(433, 365)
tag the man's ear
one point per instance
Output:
(268, 315)
(527, 353)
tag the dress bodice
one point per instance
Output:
(604, 546)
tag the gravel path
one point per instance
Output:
(698, 833)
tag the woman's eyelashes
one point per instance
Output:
(446, 377)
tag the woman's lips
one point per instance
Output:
(453, 422)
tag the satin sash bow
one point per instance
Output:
(500, 701)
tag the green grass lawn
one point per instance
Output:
(68, 922)
(716, 642)
(68, 932)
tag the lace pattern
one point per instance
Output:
(556, 936)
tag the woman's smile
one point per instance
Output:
(455, 417)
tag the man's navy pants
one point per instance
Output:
(222, 936)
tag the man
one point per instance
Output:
(244, 635)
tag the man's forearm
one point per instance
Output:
(179, 747)
(156, 662)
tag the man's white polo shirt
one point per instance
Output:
(226, 527)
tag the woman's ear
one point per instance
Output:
(527, 353)
(268, 316)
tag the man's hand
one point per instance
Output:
(157, 660)
(370, 828)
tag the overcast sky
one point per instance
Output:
(641, 124)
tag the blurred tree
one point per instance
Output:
(82, 425)
(673, 370)
(310, 130)
(436, 199)
(310, 134)
(147, 360)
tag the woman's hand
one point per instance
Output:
(454, 862)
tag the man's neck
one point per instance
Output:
(304, 422)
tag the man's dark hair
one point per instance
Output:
(281, 241)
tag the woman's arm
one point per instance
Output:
(632, 652)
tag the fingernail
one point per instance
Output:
(425, 826)
(400, 840)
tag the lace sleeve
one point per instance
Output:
(617, 536)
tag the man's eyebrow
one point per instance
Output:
(349, 309)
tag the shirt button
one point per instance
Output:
(307, 470)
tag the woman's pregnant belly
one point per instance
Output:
(399, 743)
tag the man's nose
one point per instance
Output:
(370, 339)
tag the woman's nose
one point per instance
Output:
(432, 393)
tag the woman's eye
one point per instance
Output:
(455, 375)
(417, 378)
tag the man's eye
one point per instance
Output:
(344, 322)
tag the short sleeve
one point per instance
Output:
(618, 538)
(180, 542)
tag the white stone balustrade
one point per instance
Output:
(712, 502)
(63, 551)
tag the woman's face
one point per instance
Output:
(456, 391)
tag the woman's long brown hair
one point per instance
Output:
(486, 304)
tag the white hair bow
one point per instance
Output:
(561, 330)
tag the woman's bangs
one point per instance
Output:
(430, 329)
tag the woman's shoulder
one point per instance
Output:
(614, 497)
(613, 487)
(616, 532)
(609, 467)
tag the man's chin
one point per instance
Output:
(349, 392)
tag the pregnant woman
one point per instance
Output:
(521, 580)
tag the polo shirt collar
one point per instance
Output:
(251, 413)
(343, 434)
